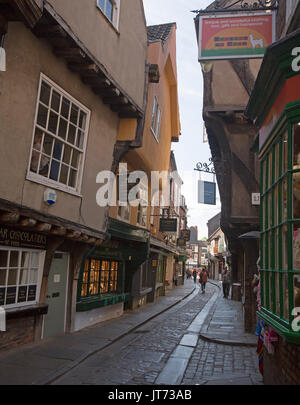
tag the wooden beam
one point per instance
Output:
(28, 222)
(124, 109)
(49, 31)
(91, 240)
(115, 100)
(58, 230)
(71, 54)
(43, 227)
(83, 238)
(96, 81)
(136, 114)
(10, 217)
(109, 92)
(100, 86)
(84, 70)
(73, 234)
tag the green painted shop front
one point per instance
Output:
(275, 108)
(107, 271)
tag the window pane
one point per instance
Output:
(82, 120)
(284, 200)
(65, 108)
(297, 291)
(109, 10)
(84, 290)
(64, 171)
(67, 154)
(45, 93)
(53, 121)
(2, 277)
(38, 139)
(101, 4)
(285, 153)
(74, 114)
(285, 296)
(277, 283)
(42, 116)
(47, 146)
(35, 259)
(3, 258)
(44, 165)
(55, 102)
(14, 258)
(284, 248)
(80, 139)
(63, 127)
(296, 248)
(12, 277)
(72, 134)
(25, 259)
(73, 178)
(23, 276)
(75, 159)
(54, 170)
(33, 275)
(154, 113)
(57, 151)
(296, 151)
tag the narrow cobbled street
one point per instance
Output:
(173, 345)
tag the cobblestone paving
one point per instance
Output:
(140, 357)
(220, 361)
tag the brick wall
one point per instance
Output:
(282, 368)
(18, 332)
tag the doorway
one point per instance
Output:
(56, 296)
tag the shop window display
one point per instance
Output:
(281, 225)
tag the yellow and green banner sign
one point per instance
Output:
(232, 36)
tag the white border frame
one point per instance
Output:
(42, 255)
(35, 177)
(240, 15)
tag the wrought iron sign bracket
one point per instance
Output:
(206, 167)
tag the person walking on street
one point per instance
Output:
(226, 282)
(203, 280)
(195, 275)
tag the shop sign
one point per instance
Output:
(185, 234)
(235, 36)
(181, 242)
(255, 198)
(168, 225)
(207, 192)
(18, 238)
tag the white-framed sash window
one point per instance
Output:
(111, 10)
(156, 119)
(21, 272)
(59, 139)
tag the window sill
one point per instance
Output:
(87, 304)
(288, 335)
(21, 312)
(51, 184)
